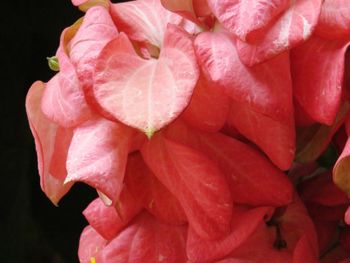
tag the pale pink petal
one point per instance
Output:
(98, 154)
(293, 27)
(51, 143)
(146, 94)
(144, 20)
(148, 241)
(96, 30)
(195, 181)
(243, 17)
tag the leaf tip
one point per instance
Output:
(53, 63)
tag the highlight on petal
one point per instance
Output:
(290, 29)
(253, 179)
(146, 94)
(144, 20)
(208, 108)
(334, 20)
(146, 240)
(243, 225)
(317, 69)
(195, 181)
(98, 155)
(151, 193)
(85, 5)
(243, 17)
(51, 143)
(90, 244)
(108, 221)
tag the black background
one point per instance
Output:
(31, 228)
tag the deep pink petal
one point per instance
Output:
(151, 193)
(90, 244)
(195, 181)
(293, 27)
(146, 240)
(146, 94)
(276, 139)
(334, 20)
(51, 143)
(317, 70)
(253, 179)
(98, 155)
(244, 223)
(243, 17)
(108, 221)
(208, 108)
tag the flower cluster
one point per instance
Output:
(202, 124)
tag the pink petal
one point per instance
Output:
(253, 179)
(144, 20)
(154, 196)
(98, 155)
(334, 21)
(63, 99)
(293, 27)
(146, 94)
(51, 143)
(195, 181)
(243, 224)
(243, 17)
(96, 30)
(208, 108)
(146, 240)
(108, 221)
(317, 70)
(90, 244)
(276, 139)
(266, 87)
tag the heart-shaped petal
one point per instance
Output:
(146, 94)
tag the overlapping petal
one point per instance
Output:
(290, 29)
(146, 240)
(98, 155)
(151, 193)
(51, 143)
(195, 181)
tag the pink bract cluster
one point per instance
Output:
(200, 123)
